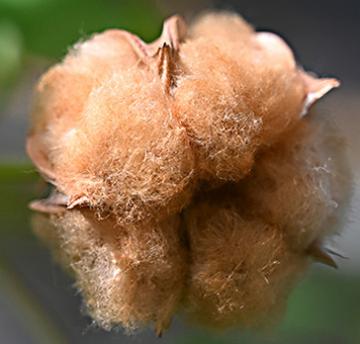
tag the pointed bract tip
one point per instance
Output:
(77, 201)
(320, 255)
(315, 89)
(43, 206)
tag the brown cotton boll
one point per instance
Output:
(128, 154)
(207, 123)
(132, 278)
(302, 183)
(242, 269)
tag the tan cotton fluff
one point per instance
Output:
(135, 164)
(186, 173)
(301, 183)
(240, 91)
(128, 277)
(242, 268)
(89, 144)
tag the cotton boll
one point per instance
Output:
(241, 268)
(131, 277)
(206, 129)
(128, 154)
(302, 183)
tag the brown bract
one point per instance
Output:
(185, 172)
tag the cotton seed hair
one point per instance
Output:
(187, 173)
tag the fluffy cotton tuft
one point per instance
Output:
(128, 152)
(301, 183)
(127, 277)
(242, 268)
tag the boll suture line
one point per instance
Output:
(187, 174)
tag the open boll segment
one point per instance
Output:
(127, 277)
(302, 183)
(240, 91)
(101, 131)
(242, 268)
(122, 159)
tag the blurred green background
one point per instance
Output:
(37, 301)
